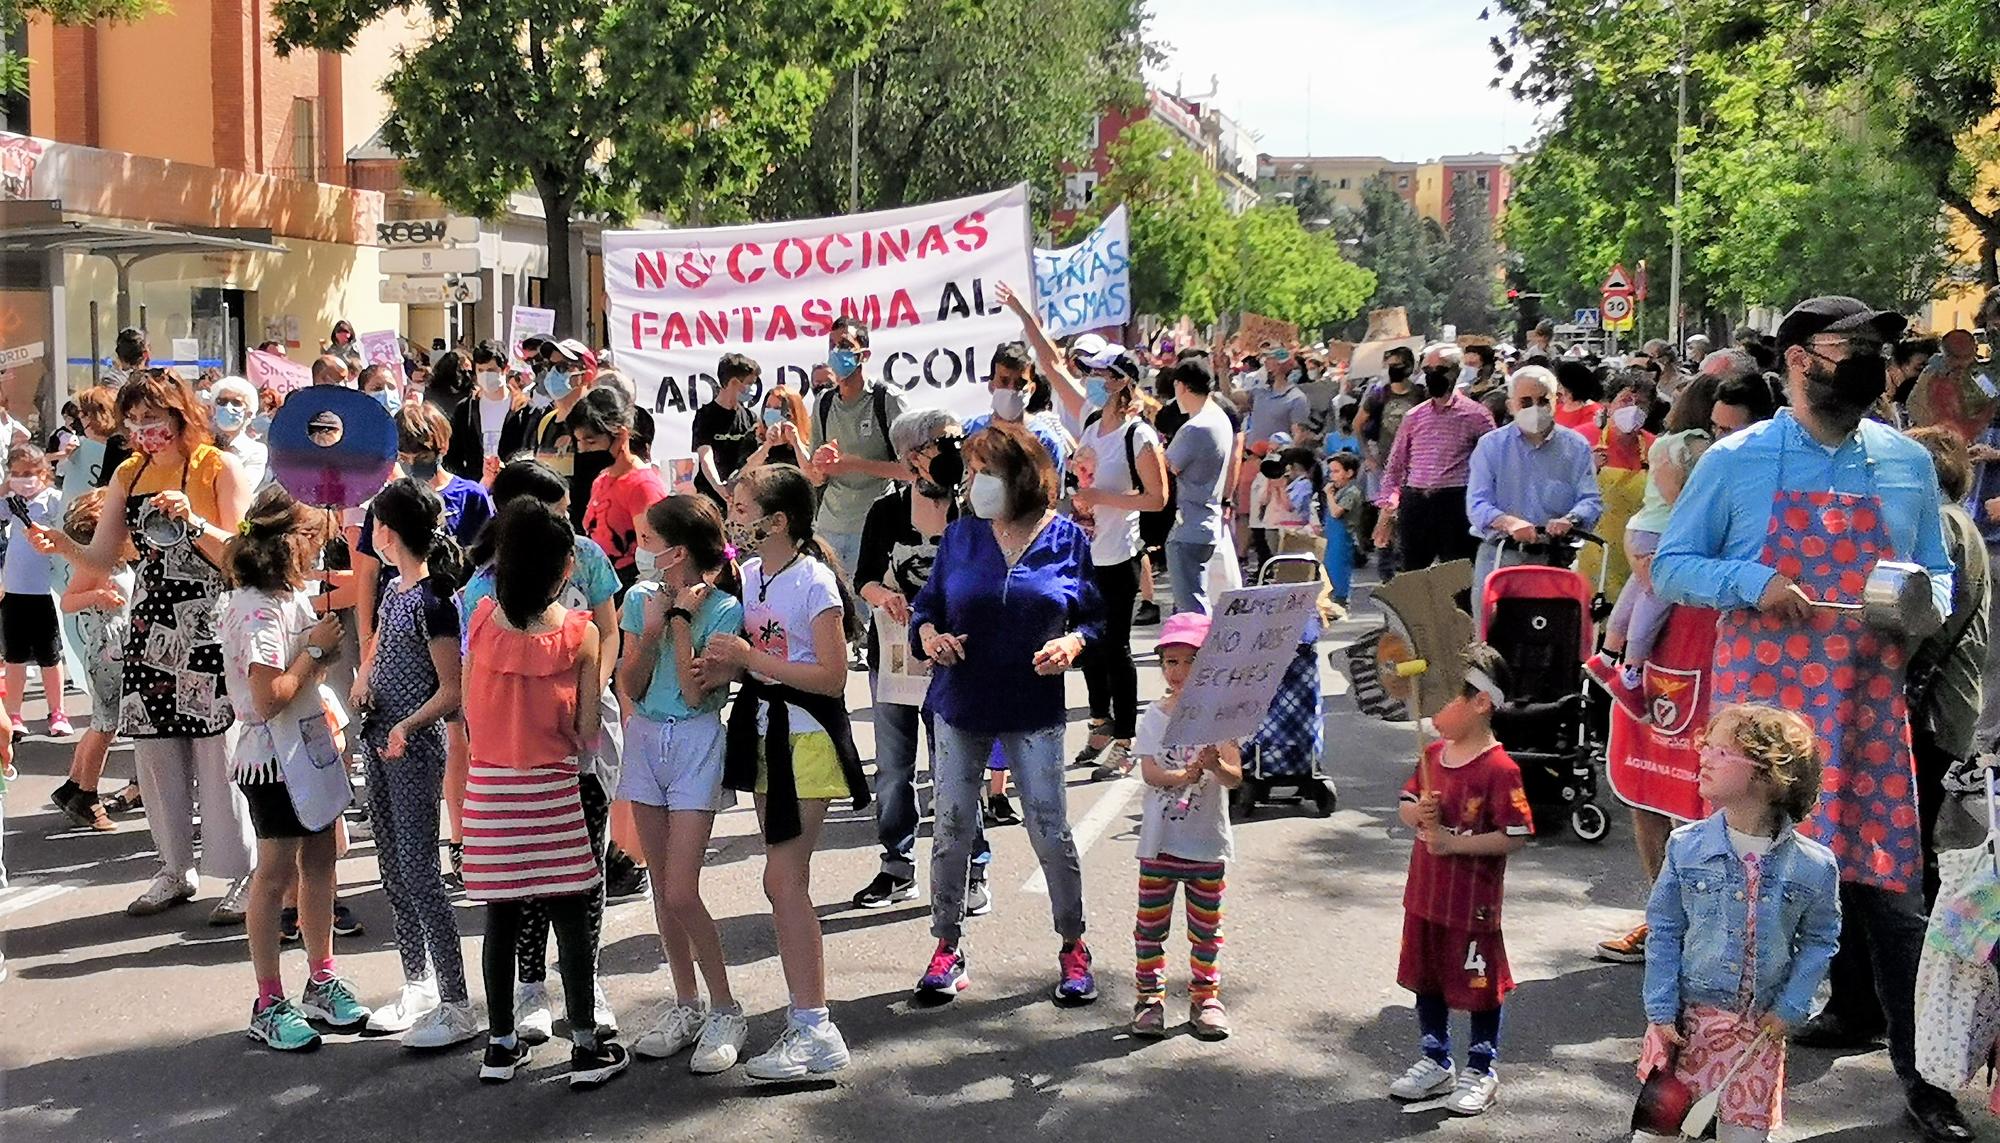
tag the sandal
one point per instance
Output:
(125, 801)
(1098, 743)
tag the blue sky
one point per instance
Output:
(1406, 79)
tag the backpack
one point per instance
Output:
(881, 412)
(1131, 450)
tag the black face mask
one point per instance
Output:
(1398, 374)
(1438, 381)
(1272, 468)
(947, 470)
(1846, 391)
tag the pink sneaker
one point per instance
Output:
(59, 726)
(1613, 675)
(20, 728)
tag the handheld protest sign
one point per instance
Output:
(1253, 635)
(332, 446)
(1413, 667)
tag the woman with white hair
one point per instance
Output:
(235, 403)
(899, 543)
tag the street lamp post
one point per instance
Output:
(1680, 126)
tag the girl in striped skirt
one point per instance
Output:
(531, 705)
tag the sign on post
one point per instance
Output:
(1253, 637)
(415, 233)
(1617, 305)
(425, 260)
(1086, 286)
(1587, 319)
(430, 291)
(923, 278)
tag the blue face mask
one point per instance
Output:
(844, 362)
(774, 417)
(388, 399)
(557, 383)
(229, 418)
(1096, 392)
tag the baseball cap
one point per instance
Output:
(1837, 314)
(1104, 357)
(1186, 628)
(576, 351)
(1088, 345)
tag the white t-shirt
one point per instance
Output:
(493, 414)
(269, 630)
(255, 457)
(778, 617)
(1746, 844)
(1117, 538)
(1189, 822)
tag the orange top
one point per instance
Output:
(204, 467)
(521, 710)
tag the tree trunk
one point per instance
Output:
(560, 294)
(1988, 226)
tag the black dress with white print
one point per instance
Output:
(174, 684)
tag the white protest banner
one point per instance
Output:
(380, 348)
(276, 373)
(1252, 639)
(903, 679)
(527, 322)
(1089, 285)
(922, 277)
(22, 354)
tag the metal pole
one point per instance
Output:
(854, 141)
(1680, 125)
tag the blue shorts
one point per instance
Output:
(676, 765)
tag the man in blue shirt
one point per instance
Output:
(1798, 510)
(1530, 476)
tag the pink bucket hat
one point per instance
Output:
(1188, 628)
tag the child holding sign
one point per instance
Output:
(1470, 812)
(1184, 839)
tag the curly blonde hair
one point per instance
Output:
(1782, 746)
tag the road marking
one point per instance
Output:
(1087, 829)
(19, 898)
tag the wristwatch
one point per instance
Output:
(315, 651)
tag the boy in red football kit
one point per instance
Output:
(1469, 810)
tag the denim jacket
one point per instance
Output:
(1698, 916)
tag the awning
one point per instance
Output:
(39, 225)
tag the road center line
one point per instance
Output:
(1087, 829)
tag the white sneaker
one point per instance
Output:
(1426, 1079)
(1476, 1092)
(721, 1045)
(443, 1026)
(235, 904)
(607, 1020)
(411, 1005)
(533, 1022)
(676, 1031)
(801, 1051)
(164, 892)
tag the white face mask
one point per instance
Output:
(1009, 404)
(1628, 419)
(989, 496)
(1535, 419)
(25, 485)
(492, 383)
(1468, 375)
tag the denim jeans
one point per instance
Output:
(1187, 565)
(897, 812)
(1036, 758)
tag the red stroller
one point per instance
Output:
(1542, 617)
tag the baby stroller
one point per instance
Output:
(1284, 754)
(1541, 617)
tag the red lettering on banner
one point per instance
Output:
(736, 254)
(901, 310)
(650, 274)
(971, 231)
(869, 310)
(931, 243)
(890, 246)
(826, 244)
(781, 325)
(676, 332)
(798, 248)
(818, 313)
(711, 326)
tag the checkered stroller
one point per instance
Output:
(1285, 753)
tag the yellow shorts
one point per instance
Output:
(815, 767)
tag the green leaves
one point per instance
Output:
(1297, 275)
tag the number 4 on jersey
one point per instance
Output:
(1474, 963)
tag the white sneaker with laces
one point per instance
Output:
(721, 1045)
(411, 1005)
(162, 893)
(533, 1022)
(1476, 1092)
(235, 904)
(447, 1024)
(1426, 1079)
(607, 1020)
(678, 1027)
(801, 1051)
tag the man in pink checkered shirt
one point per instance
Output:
(1430, 464)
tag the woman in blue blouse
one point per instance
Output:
(1009, 606)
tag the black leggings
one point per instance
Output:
(1109, 674)
(532, 948)
(576, 956)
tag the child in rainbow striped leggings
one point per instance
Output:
(1184, 841)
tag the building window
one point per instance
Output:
(299, 149)
(1343, 184)
(1079, 189)
(1093, 133)
(1479, 180)
(1402, 182)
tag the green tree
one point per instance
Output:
(1471, 263)
(1404, 251)
(1296, 275)
(601, 108)
(1185, 251)
(1046, 68)
(14, 15)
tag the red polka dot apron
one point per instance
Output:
(1844, 676)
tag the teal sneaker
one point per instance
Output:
(282, 1026)
(333, 1002)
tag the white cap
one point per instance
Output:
(1088, 345)
(1104, 357)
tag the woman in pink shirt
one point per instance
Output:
(603, 421)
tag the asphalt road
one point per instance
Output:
(115, 1028)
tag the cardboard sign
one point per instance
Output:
(1367, 359)
(527, 322)
(1086, 286)
(903, 678)
(380, 348)
(923, 278)
(1340, 353)
(278, 374)
(1392, 324)
(1258, 329)
(1253, 637)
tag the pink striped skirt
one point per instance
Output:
(525, 835)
